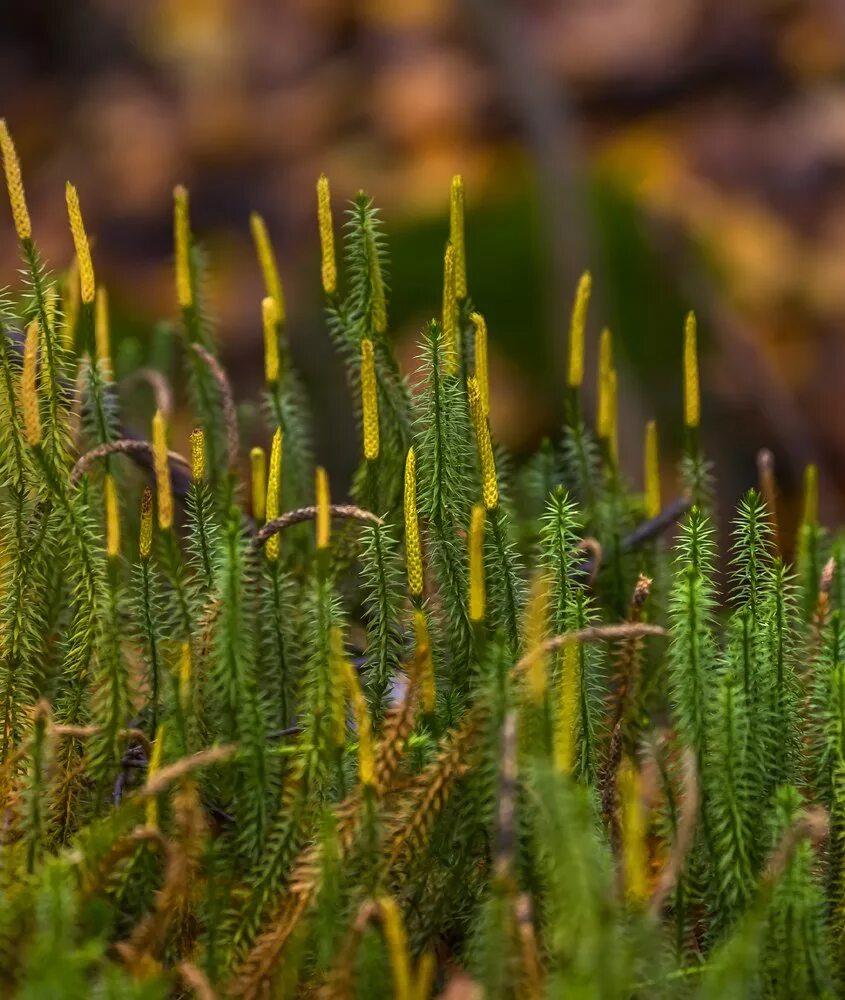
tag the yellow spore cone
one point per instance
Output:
(162, 472)
(87, 284)
(324, 220)
(810, 513)
(270, 321)
(604, 370)
(101, 329)
(536, 627)
(182, 247)
(267, 263)
(30, 408)
(145, 538)
(112, 516)
(274, 493)
(154, 766)
(481, 369)
(324, 514)
(198, 454)
(651, 471)
(413, 549)
(577, 327)
(258, 476)
(489, 480)
(14, 184)
(363, 724)
(692, 403)
(428, 690)
(475, 551)
(634, 848)
(566, 717)
(369, 401)
(456, 235)
(450, 314)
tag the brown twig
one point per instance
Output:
(125, 446)
(309, 514)
(230, 415)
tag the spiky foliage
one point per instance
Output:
(244, 759)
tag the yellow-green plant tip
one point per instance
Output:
(182, 247)
(397, 948)
(161, 464)
(258, 476)
(369, 401)
(566, 715)
(810, 513)
(324, 221)
(692, 403)
(87, 284)
(198, 454)
(613, 416)
(484, 445)
(577, 328)
(101, 329)
(274, 493)
(651, 471)
(456, 235)
(481, 369)
(324, 514)
(475, 553)
(267, 263)
(112, 516)
(270, 322)
(14, 184)
(413, 549)
(145, 537)
(30, 406)
(449, 338)
(634, 847)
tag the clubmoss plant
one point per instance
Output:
(478, 729)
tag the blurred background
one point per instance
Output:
(690, 153)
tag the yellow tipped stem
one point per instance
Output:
(324, 514)
(145, 539)
(87, 284)
(481, 369)
(270, 321)
(14, 184)
(475, 549)
(692, 403)
(267, 263)
(369, 401)
(185, 672)
(456, 236)
(198, 454)
(324, 220)
(258, 471)
(274, 493)
(450, 314)
(29, 387)
(162, 472)
(651, 471)
(112, 517)
(182, 247)
(575, 376)
(634, 851)
(566, 720)
(489, 481)
(101, 330)
(428, 690)
(413, 550)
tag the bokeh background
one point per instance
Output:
(690, 153)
